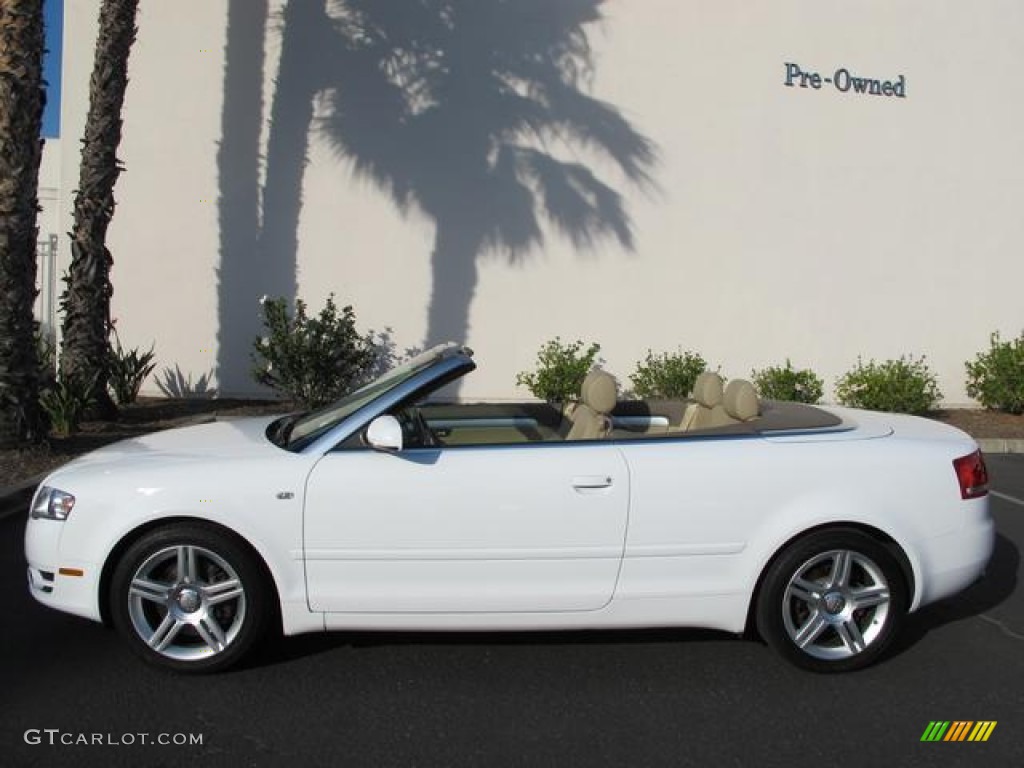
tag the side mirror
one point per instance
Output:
(384, 434)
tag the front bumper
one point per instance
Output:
(60, 583)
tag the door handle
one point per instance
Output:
(591, 482)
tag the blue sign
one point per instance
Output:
(53, 20)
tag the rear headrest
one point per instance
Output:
(740, 400)
(707, 389)
(600, 391)
(586, 383)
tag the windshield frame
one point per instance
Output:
(320, 430)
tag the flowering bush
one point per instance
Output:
(311, 360)
(902, 386)
(996, 378)
(670, 375)
(560, 370)
(798, 386)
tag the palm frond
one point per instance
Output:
(580, 205)
(599, 125)
(452, 105)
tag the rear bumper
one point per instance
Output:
(955, 560)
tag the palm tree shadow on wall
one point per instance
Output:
(475, 113)
(463, 109)
(259, 218)
(238, 178)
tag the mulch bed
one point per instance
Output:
(152, 414)
(979, 423)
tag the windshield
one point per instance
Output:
(315, 423)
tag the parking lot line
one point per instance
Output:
(1004, 497)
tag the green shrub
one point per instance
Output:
(127, 371)
(46, 357)
(996, 378)
(311, 360)
(903, 386)
(668, 374)
(65, 402)
(798, 386)
(560, 370)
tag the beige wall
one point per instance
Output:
(787, 221)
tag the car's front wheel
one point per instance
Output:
(832, 601)
(189, 598)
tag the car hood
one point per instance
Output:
(230, 439)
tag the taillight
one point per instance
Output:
(972, 475)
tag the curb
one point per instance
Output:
(1000, 444)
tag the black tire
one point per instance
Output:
(832, 601)
(190, 598)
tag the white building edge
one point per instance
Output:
(798, 219)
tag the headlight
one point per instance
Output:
(52, 504)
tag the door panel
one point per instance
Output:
(483, 529)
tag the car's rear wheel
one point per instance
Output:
(189, 598)
(832, 601)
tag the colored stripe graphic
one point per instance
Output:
(958, 730)
(982, 730)
(935, 730)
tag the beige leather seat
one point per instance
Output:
(740, 401)
(569, 408)
(591, 418)
(706, 410)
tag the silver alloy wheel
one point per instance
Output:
(836, 604)
(186, 602)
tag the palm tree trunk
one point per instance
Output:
(86, 300)
(21, 110)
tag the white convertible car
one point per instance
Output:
(820, 528)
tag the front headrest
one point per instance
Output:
(600, 391)
(740, 400)
(707, 389)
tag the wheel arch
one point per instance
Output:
(114, 556)
(886, 540)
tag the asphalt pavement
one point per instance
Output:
(71, 694)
